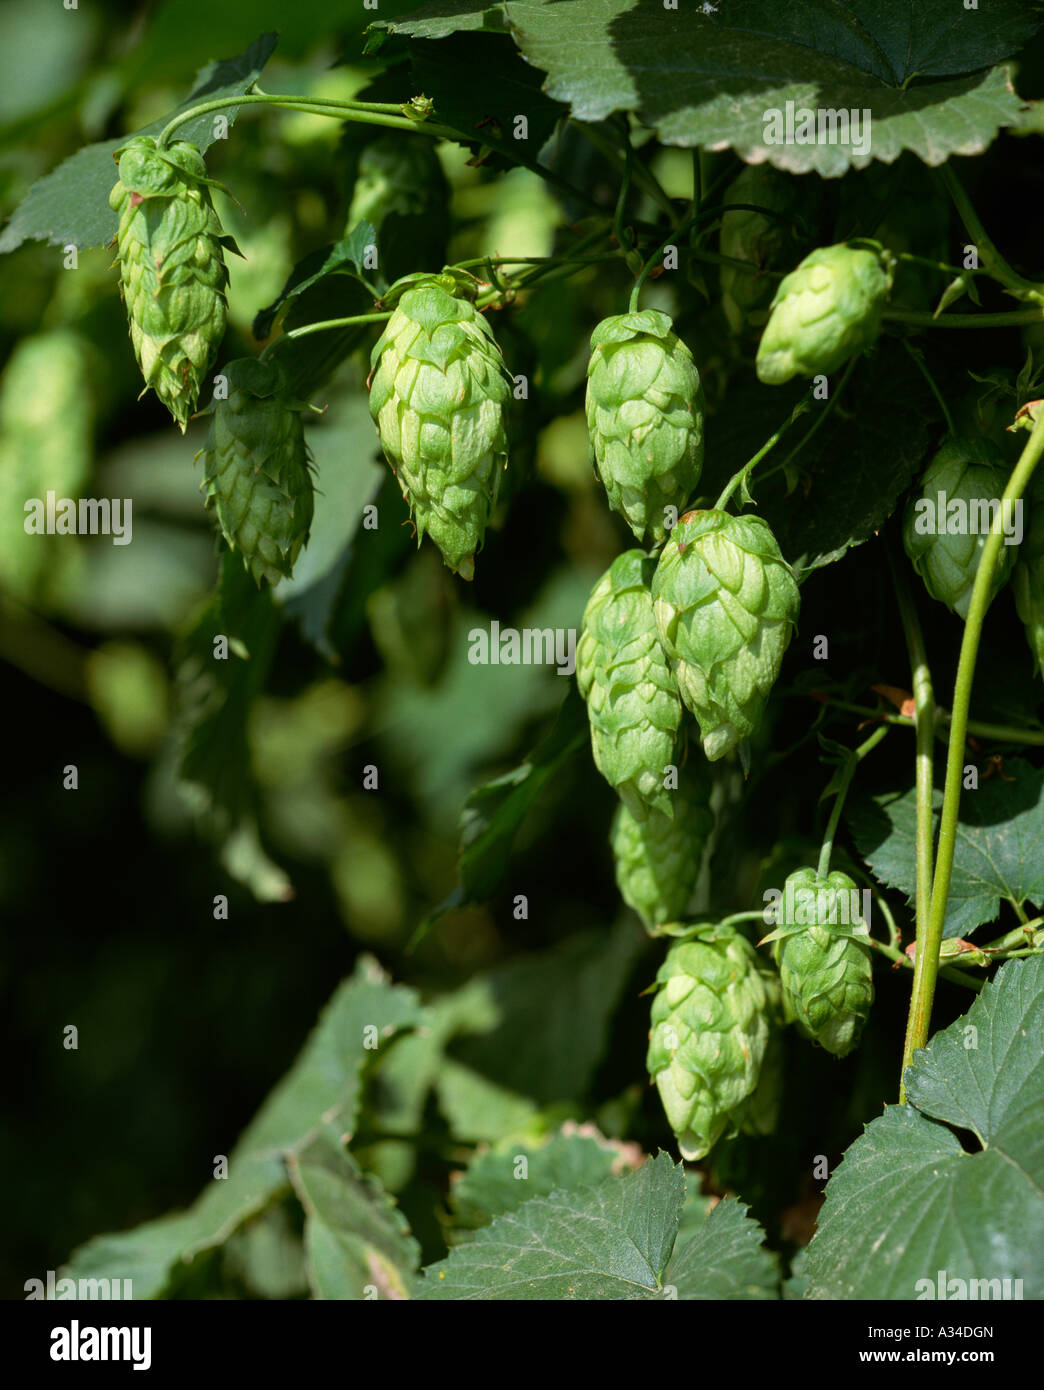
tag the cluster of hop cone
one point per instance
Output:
(694, 621)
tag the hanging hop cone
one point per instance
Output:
(437, 395)
(710, 1031)
(256, 468)
(971, 472)
(658, 859)
(170, 252)
(633, 704)
(825, 965)
(825, 311)
(726, 603)
(644, 418)
(763, 241)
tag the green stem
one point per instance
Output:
(855, 757)
(924, 722)
(817, 423)
(321, 327)
(644, 177)
(990, 258)
(1015, 937)
(927, 962)
(741, 476)
(321, 106)
(621, 201)
(675, 234)
(922, 367)
(957, 977)
(933, 264)
(742, 917)
(1001, 733)
(1013, 319)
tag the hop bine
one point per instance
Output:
(256, 469)
(711, 1028)
(972, 473)
(726, 603)
(169, 247)
(644, 418)
(658, 859)
(437, 395)
(825, 311)
(633, 704)
(825, 965)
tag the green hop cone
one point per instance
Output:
(944, 544)
(644, 418)
(657, 860)
(710, 1031)
(437, 395)
(633, 704)
(826, 975)
(170, 251)
(726, 603)
(255, 468)
(763, 241)
(825, 311)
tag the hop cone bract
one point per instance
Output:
(726, 603)
(255, 469)
(437, 395)
(633, 704)
(658, 859)
(825, 311)
(710, 1031)
(968, 471)
(827, 976)
(644, 418)
(172, 267)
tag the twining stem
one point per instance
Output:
(1000, 733)
(741, 475)
(1013, 319)
(926, 965)
(321, 327)
(990, 258)
(853, 760)
(922, 366)
(924, 722)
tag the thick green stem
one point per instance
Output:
(924, 721)
(321, 327)
(322, 106)
(926, 966)
(855, 757)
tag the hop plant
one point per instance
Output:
(757, 238)
(437, 396)
(825, 311)
(726, 603)
(633, 704)
(658, 859)
(710, 1030)
(825, 971)
(400, 188)
(256, 470)
(1028, 580)
(967, 471)
(644, 418)
(169, 247)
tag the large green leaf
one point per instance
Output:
(613, 1240)
(909, 1201)
(999, 854)
(323, 1085)
(70, 205)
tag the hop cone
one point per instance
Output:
(1028, 578)
(400, 188)
(658, 859)
(172, 268)
(726, 603)
(825, 311)
(437, 396)
(826, 976)
(255, 469)
(644, 418)
(764, 242)
(632, 701)
(710, 1031)
(968, 471)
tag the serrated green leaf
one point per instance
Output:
(498, 1182)
(70, 205)
(1000, 844)
(344, 257)
(725, 1259)
(908, 1201)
